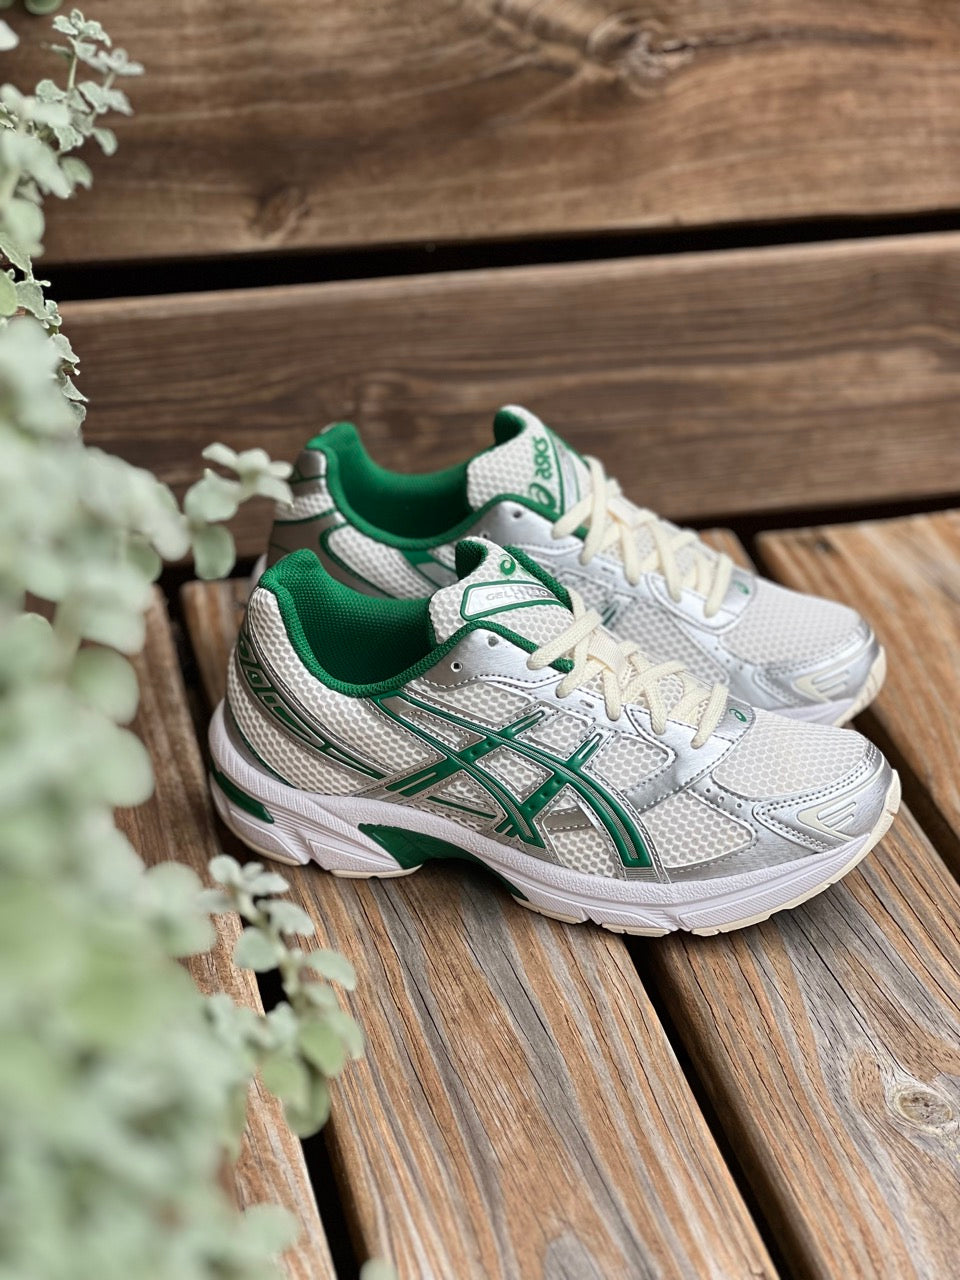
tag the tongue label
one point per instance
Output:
(481, 599)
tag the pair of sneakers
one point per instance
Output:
(509, 662)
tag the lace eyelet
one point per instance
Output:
(518, 514)
(493, 640)
(456, 666)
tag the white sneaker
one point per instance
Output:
(391, 534)
(498, 721)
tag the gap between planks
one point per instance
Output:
(519, 1111)
(177, 822)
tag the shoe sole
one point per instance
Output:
(355, 837)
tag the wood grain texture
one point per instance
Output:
(519, 1111)
(315, 123)
(829, 1043)
(177, 822)
(828, 1039)
(709, 383)
(904, 576)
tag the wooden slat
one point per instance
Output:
(314, 123)
(828, 1039)
(904, 575)
(177, 822)
(740, 381)
(829, 1042)
(519, 1111)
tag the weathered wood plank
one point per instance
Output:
(740, 381)
(904, 575)
(829, 1043)
(316, 123)
(177, 822)
(519, 1111)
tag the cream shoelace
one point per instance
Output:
(627, 675)
(610, 518)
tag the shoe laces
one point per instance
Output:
(610, 518)
(627, 675)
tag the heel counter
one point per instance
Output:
(297, 526)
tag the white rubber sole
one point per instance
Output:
(300, 827)
(844, 710)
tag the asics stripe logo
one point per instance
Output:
(520, 814)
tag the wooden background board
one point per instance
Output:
(318, 123)
(519, 1111)
(904, 575)
(177, 822)
(718, 382)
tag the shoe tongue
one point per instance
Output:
(495, 587)
(529, 461)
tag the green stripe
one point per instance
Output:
(414, 848)
(238, 795)
(519, 821)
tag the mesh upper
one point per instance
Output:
(784, 626)
(489, 704)
(662, 639)
(383, 566)
(534, 463)
(287, 757)
(535, 622)
(560, 732)
(522, 776)
(687, 830)
(624, 760)
(781, 757)
(375, 736)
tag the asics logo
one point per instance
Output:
(520, 815)
(542, 465)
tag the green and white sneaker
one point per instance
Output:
(498, 721)
(393, 535)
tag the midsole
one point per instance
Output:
(338, 819)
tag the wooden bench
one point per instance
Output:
(538, 1099)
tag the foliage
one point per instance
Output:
(307, 1039)
(120, 1086)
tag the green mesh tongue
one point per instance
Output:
(527, 461)
(500, 590)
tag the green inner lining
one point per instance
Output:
(408, 506)
(367, 645)
(430, 507)
(363, 639)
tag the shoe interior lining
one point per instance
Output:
(405, 506)
(357, 639)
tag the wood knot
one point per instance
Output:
(279, 212)
(924, 1108)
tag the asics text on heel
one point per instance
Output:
(499, 722)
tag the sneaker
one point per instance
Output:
(498, 721)
(394, 535)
